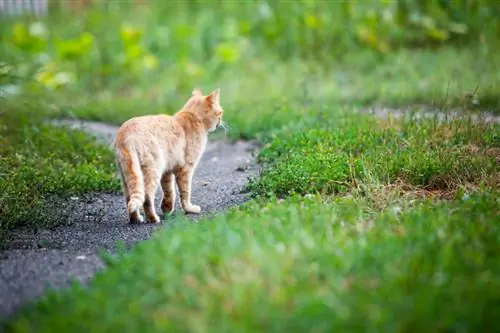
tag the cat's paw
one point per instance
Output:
(167, 206)
(153, 219)
(193, 209)
(135, 218)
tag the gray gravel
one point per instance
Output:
(429, 112)
(34, 261)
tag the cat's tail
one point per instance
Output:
(130, 169)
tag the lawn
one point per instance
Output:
(356, 223)
(40, 162)
(390, 252)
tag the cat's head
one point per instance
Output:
(207, 107)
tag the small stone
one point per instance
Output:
(241, 168)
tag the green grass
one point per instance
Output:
(301, 92)
(337, 152)
(40, 162)
(406, 77)
(375, 257)
(295, 266)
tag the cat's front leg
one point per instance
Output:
(168, 188)
(151, 180)
(184, 177)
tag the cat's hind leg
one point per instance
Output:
(126, 194)
(184, 176)
(132, 179)
(168, 188)
(151, 183)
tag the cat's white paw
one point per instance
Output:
(153, 219)
(193, 209)
(136, 218)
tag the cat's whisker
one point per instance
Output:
(225, 126)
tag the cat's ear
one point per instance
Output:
(213, 97)
(190, 102)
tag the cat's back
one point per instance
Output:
(145, 128)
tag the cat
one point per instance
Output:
(162, 149)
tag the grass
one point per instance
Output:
(357, 223)
(374, 257)
(332, 156)
(302, 92)
(40, 162)
(302, 264)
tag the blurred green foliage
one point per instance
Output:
(118, 40)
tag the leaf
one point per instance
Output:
(311, 21)
(22, 38)
(458, 28)
(438, 34)
(130, 34)
(150, 61)
(134, 51)
(227, 52)
(86, 41)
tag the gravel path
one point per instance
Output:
(53, 258)
(426, 111)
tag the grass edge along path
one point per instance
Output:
(308, 261)
(40, 162)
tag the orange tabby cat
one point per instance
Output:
(154, 150)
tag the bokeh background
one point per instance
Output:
(357, 223)
(109, 60)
